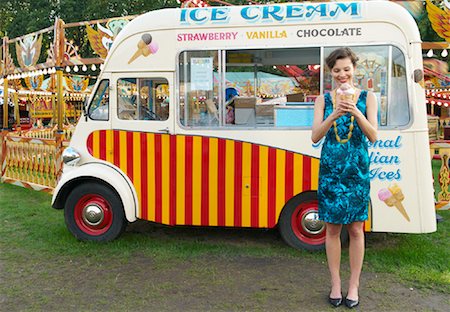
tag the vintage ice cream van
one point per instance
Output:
(202, 117)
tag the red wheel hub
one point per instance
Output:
(93, 214)
(306, 225)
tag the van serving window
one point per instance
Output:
(276, 88)
(143, 98)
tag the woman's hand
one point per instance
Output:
(344, 106)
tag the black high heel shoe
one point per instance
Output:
(335, 302)
(351, 303)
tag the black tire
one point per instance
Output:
(300, 227)
(94, 212)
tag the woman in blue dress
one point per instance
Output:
(344, 183)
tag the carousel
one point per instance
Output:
(43, 88)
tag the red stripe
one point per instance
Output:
(188, 181)
(144, 177)
(116, 138)
(289, 176)
(89, 144)
(306, 173)
(221, 149)
(130, 155)
(103, 144)
(173, 180)
(255, 187)
(158, 178)
(271, 192)
(205, 182)
(237, 183)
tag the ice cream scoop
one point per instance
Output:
(393, 197)
(346, 92)
(153, 47)
(145, 47)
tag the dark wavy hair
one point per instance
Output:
(339, 54)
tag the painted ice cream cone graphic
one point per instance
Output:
(393, 197)
(346, 92)
(145, 47)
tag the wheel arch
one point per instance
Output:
(98, 173)
(293, 200)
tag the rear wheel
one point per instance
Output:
(94, 212)
(299, 223)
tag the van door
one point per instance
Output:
(143, 102)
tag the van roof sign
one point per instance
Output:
(293, 12)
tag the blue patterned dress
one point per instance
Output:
(344, 184)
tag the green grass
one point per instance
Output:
(29, 224)
(420, 259)
(31, 232)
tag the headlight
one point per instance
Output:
(70, 156)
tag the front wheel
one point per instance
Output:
(94, 212)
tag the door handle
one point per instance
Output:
(165, 130)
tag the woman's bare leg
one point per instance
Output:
(356, 254)
(333, 248)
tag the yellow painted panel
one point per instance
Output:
(298, 173)
(213, 180)
(96, 144)
(181, 176)
(280, 198)
(151, 175)
(315, 173)
(229, 183)
(123, 151)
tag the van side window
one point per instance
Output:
(276, 88)
(382, 70)
(259, 88)
(199, 88)
(99, 106)
(143, 98)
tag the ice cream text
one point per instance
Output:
(274, 13)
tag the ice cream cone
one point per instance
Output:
(347, 97)
(135, 56)
(397, 192)
(398, 204)
(346, 92)
(393, 197)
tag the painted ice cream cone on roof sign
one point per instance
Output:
(146, 46)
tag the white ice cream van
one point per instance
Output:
(203, 117)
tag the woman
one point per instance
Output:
(344, 184)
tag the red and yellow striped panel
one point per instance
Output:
(195, 180)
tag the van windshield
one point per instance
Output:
(99, 107)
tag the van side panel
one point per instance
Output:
(197, 180)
